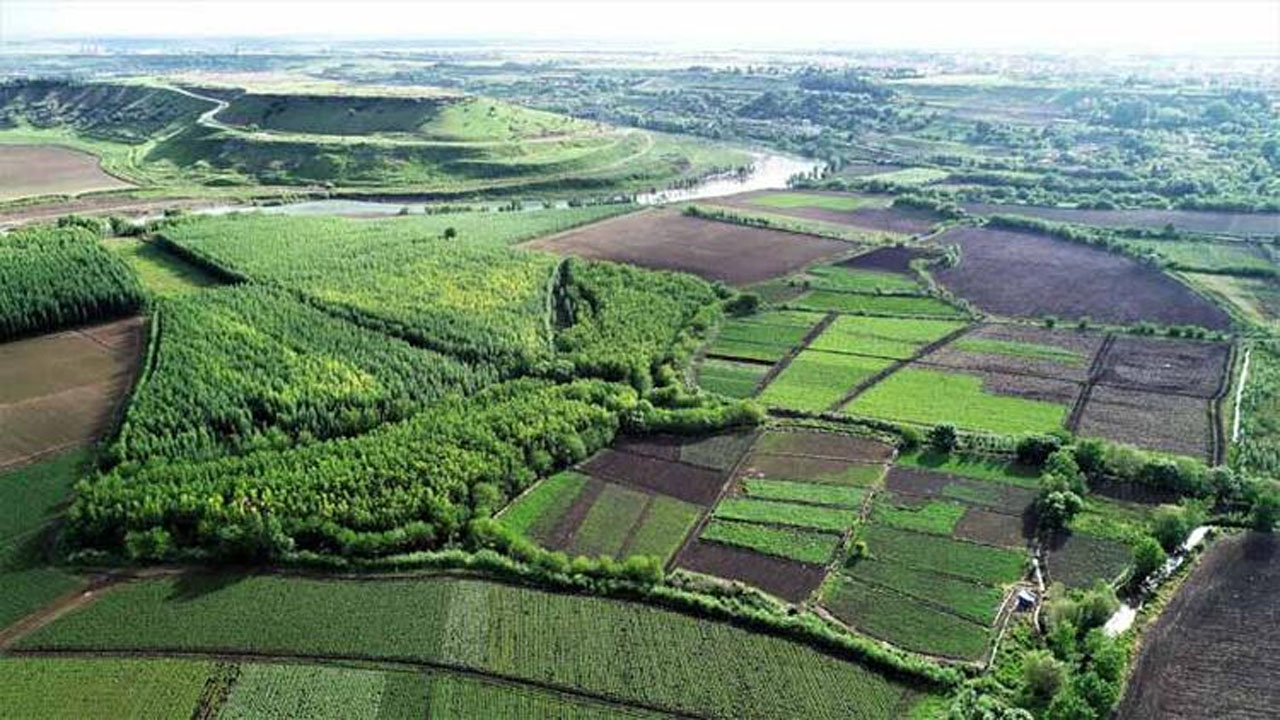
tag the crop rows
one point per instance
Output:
(793, 544)
(749, 509)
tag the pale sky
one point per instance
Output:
(1087, 25)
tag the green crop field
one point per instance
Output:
(933, 517)
(816, 200)
(1211, 257)
(979, 467)
(76, 688)
(605, 528)
(816, 380)
(884, 337)
(536, 512)
(834, 277)
(819, 471)
(993, 566)
(930, 397)
(909, 176)
(460, 697)
(802, 545)
(733, 379)
(1034, 351)
(975, 601)
(766, 336)
(718, 452)
(915, 626)
(663, 528)
(873, 304)
(689, 665)
(310, 691)
(784, 513)
(850, 497)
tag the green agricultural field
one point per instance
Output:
(1210, 257)
(934, 517)
(979, 467)
(605, 529)
(803, 545)
(161, 272)
(966, 598)
(817, 200)
(462, 697)
(820, 471)
(77, 688)
(915, 626)
(816, 380)
(307, 691)
(1033, 351)
(30, 499)
(872, 304)
(663, 528)
(718, 452)
(909, 177)
(1256, 300)
(732, 379)
(765, 336)
(884, 337)
(849, 497)
(537, 511)
(690, 665)
(784, 513)
(989, 565)
(930, 397)
(834, 277)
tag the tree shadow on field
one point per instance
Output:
(198, 583)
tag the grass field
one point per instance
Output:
(733, 379)
(850, 497)
(872, 304)
(918, 551)
(930, 397)
(688, 665)
(785, 513)
(911, 625)
(161, 272)
(1256, 299)
(933, 517)
(973, 600)
(802, 545)
(76, 688)
(536, 512)
(816, 200)
(31, 498)
(604, 530)
(1214, 257)
(834, 277)
(816, 380)
(909, 177)
(1034, 351)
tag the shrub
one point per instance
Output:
(1034, 450)
(1042, 675)
(943, 438)
(1148, 557)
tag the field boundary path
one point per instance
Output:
(799, 347)
(897, 365)
(1091, 379)
(1244, 377)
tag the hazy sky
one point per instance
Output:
(1154, 25)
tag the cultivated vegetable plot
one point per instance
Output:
(585, 644)
(48, 687)
(764, 337)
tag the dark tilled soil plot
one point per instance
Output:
(1084, 345)
(667, 240)
(905, 221)
(992, 528)
(663, 447)
(812, 469)
(896, 259)
(824, 444)
(1081, 560)
(1172, 423)
(1215, 651)
(1158, 365)
(30, 170)
(62, 390)
(789, 580)
(1133, 492)
(1031, 275)
(1227, 223)
(1006, 499)
(685, 482)
(1028, 387)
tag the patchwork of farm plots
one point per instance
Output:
(865, 212)
(640, 497)
(858, 285)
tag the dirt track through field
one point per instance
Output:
(65, 389)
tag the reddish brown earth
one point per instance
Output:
(62, 390)
(1158, 365)
(97, 205)
(685, 482)
(802, 468)
(895, 259)
(1215, 651)
(1226, 223)
(1172, 423)
(992, 528)
(789, 580)
(1084, 344)
(667, 240)
(1032, 275)
(31, 170)
(889, 220)
(822, 444)
(1005, 499)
